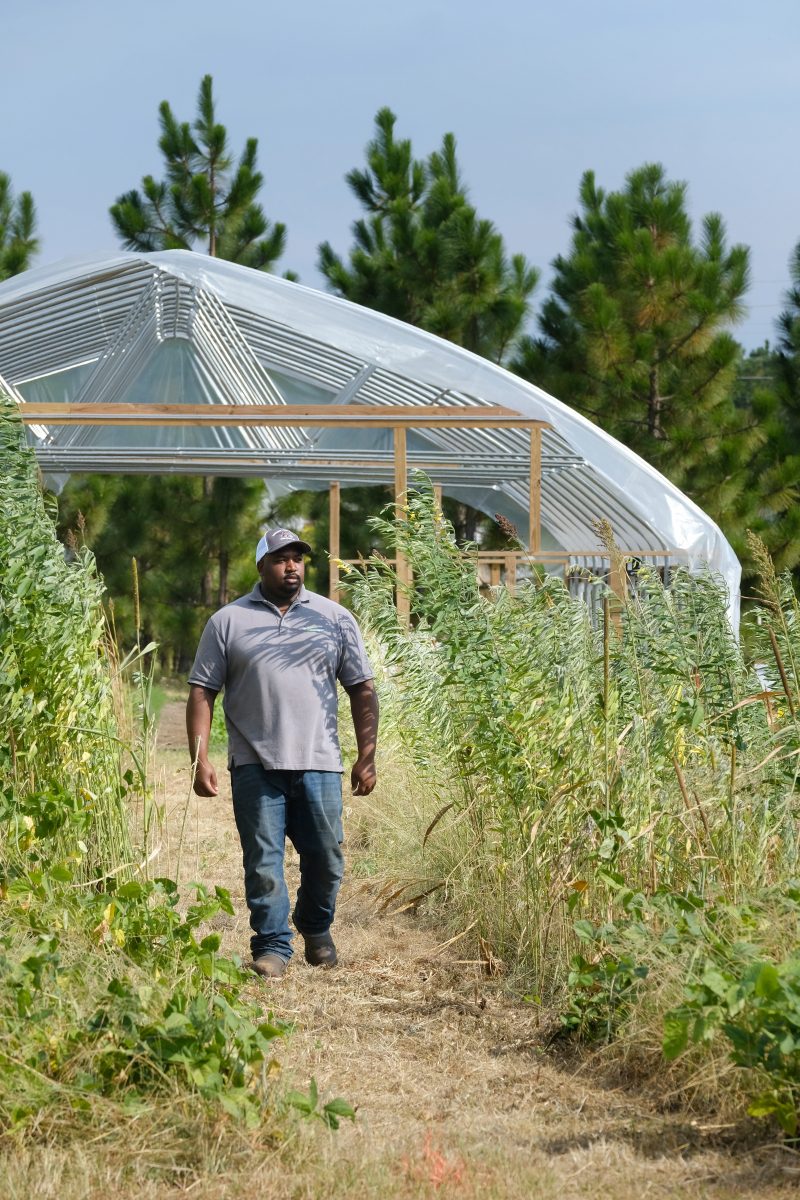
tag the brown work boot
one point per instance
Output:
(270, 966)
(320, 950)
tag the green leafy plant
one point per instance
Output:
(113, 990)
(600, 990)
(755, 1005)
(331, 1114)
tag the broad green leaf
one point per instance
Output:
(341, 1108)
(773, 1106)
(768, 981)
(300, 1101)
(715, 981)
(130, 891)
(676, 1035)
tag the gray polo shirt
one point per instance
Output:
(279, 678)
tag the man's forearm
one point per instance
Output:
(199, 714)
(364, 711)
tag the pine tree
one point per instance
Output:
(776, 469)
(205, 198)
(788, 358)
(422, 254)
(176, 536)
(193, 538)
(18, 241)
(635, 335)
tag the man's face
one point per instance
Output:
(282, 574)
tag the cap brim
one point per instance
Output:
(304, 546)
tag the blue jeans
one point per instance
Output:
(306, 807)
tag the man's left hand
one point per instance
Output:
(363, 777)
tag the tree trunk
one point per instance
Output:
(212, 224)
(654, 406)
(207, 582)
(224, 559)
(207, 590)
(465, 523)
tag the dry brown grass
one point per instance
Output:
(456, 1096)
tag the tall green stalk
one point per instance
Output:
(60, 740)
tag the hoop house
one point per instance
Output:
(174, 361)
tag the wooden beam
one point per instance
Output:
(437, 494)
(324, 416)
(400, 489)
(555, 557)
(334, 507)
(565, 555)
(535, 508)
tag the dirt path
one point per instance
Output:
(455, 1096)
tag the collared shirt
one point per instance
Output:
(279, 674)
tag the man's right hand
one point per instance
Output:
(199, 714)
(205, 780)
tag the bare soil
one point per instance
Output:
(456, 1091)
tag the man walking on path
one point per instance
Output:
(278, 653)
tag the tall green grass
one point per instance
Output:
(608, 811)
(569, 765)
(59, 726)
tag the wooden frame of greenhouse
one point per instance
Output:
(175, 362)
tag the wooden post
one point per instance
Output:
(494, 574)
(535, 511)
(334, 502)
(400, 488)
(618, 582)
(617, 578)
(437, 496)
(511, 571)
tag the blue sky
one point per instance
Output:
(535, 93)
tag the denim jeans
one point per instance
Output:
(306, 807)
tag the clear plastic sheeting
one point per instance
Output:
(181, 328)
